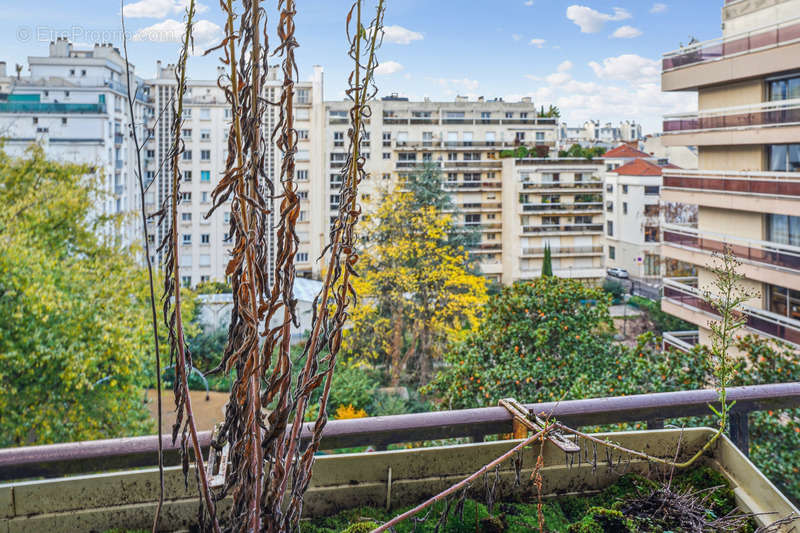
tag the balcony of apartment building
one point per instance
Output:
(534, 272)
(683, 299)
(772, 122)
(563, 229)
(756, 53)
(563, 251)
(764, 261)
(754, 191)
(680, 340)
(562, 208)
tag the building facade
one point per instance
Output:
(463, 138)
(73, 103)
(205, 241)
(747, 186)
(593, 133)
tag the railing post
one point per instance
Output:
(740, 431)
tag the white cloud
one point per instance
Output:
(593, 21)
(529, 3)
(457, 86)
(564, 66)
(533, 77)
(516, 36)
(400, 35)
(628, 67)
(205, 33)
(626, 32)
(538, 43)
(658, 7)
(388, 67)
(157, 8)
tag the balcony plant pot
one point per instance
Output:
(126, 500)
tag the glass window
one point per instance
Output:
(777, 157)
(205, 175)
(783, 229)
(612, 252)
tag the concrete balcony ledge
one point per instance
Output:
(763, 115)
(680, 340)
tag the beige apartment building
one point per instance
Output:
(205, 242)
(463, 138)
(747, 187)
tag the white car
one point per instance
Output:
(618, 273)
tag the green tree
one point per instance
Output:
(547, 263)
(73, 315)
(578, 151)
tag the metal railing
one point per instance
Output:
(772, 36)
(558, 207)
(564, 250)
(553, 228)
(51, 107)
(759, 321)
(764, 252)
(103, 455)
(766, 114)
(597, 185)
(680, 340)
(735, 182)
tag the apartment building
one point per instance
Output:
(463, 138)
(73, 102)
(205, 241)
(556, 203)
(633, 217)
(747, 187)
(593, 133)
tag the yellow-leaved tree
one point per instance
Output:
(416, 289)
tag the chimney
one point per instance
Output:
(3, 69)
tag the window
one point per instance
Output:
(472, 176)
(609, 188)
(783, 229)
(72, 72)
(186, 133)
(652, 190)
(610, 207)
(407, 156)
(205, 260)
(186, 197)
(303, 216)
(452, 176)
(302, 175)
(187, 155)
(472, 219)
(387, 155)
(784, 301)
(302, 257)
(187, 238)
(610, 228)
(485, 115)
(186, 217)
(624, 189)
(651, 210)
(386, 176)
(338, 138)
(205, 175)
(539, 136)
(472, 156)
(205, 113)
(551, 221)
(427, 138)
(624, 208)
(520, 136)
(205, 279)
(204, 197)
(187, 176)
(612, 252)
(427, 156)
(302, 195)
(205, 135)
(784, 89)
(205, 155)
(509, 115)
(651, 234)
(205, 238)
(186, 281)
(302, 135)
(64, 121)
(784, 157)
(187, 113)
(583, 219)
(302, 155)
(387, 138)
(652, 265)
(303, 96)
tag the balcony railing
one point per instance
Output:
(578, 206)
(48, 107)
(563, 251)
(766, 114)
(472, 185)
(569, 228)
(772, 36)
(57, 460)
(593, 184)
(680, 340)
(535, 161)
(764, 252)
(760, 183)
(759, 321)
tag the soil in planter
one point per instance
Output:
(632, 505)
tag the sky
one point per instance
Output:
(594, 59)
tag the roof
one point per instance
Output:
(305, 290)
(641, 167)
(625, 151)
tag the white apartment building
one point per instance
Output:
(464, 138)
(205, 242)
(593, 133)
(74, 103)
(555, 202)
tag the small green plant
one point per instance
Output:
(547, 263)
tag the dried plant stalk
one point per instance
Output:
(179, 353)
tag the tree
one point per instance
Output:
(73, 320)
(578, 151)
(415, 294)
(547, 263)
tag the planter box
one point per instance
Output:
(394, 478)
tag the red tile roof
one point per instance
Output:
(624, 151)
(640, 167)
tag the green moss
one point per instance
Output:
(361, 527)
(601, 520)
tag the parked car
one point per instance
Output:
(618, 273)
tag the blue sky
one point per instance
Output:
(593, 58)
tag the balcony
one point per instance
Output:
(765, 123)
(476, 185)
(684, 294)
(581, 207)
(755, 53)
(594, 185)
(570, 273)
(683, 341)
(564, 251)
(760, 192)
(564, 228)
(46, 107)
